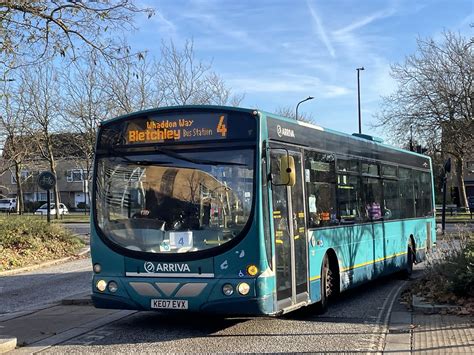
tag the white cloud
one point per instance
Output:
(288, 84)
(364, 21)
(320, 30)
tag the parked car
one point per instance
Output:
(8, 204)
(43, 210)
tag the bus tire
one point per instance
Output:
(409, 262)
(327, 284)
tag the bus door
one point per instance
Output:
(289, 231)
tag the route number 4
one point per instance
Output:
(221, 128)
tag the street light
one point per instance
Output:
(358, 96)
(307, 99)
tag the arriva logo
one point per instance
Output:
(281, 131)
(150, 267)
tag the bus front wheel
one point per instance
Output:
(327, 284)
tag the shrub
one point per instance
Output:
(451, 268)
(27, 240)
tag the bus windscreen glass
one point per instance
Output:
(174, 202)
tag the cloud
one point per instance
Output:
(207, 14)
(364, 21)
(320, 30)
(288, 84)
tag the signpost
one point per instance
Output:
(46, 181)
(447, 170)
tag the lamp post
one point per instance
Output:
(358, 97)
(307, 99)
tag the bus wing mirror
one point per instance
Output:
(287, 170)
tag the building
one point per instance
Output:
(71, 175)
(71, 179)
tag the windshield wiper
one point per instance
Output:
(195, 161)
(125, 157)
(169, 153)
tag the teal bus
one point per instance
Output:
(237, 211)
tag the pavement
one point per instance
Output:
(426, 330)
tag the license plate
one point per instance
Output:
(169, 304)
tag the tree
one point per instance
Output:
(435, 99)
(34, 31)
(290, 112)
(16, 149)
(85, 105)
(181, 79)
(128, 85)
(42, 90)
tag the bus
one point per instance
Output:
(236, 211)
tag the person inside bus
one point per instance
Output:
(373, 211)
(175, 213)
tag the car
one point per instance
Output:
(8, 204)
(43, 209)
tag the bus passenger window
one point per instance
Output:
(320, 181)
(372, 194)
(349, 199)
(391, 199)
(407, 195)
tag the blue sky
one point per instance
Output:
(279, 52)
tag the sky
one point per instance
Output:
(278, 52)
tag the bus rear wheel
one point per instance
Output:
(409, 262)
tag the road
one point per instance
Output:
(78, 228)
(354, 323)
(39, 288)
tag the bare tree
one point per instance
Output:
(434, 99)
(128, 85)
(16, 149)
(290, 112)
(85, 105)
(34, 31)
(41, 85)
(184, 80)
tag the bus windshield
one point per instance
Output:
(174, 202)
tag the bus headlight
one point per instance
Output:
(101, 285)
(227, 289)
(243, 288)
(97, 268)
(113, 287)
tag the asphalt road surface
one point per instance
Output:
(78, 228)
(354, 323)
(39, 288)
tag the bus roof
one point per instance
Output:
(264, 114)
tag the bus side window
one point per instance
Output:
(320, 179)
(407, 194)
(372, 195)
(350, 206)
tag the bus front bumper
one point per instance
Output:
(236, 306)
(165, 295)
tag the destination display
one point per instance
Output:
(177, 128)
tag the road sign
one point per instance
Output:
(46, 180)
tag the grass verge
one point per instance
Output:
(26, 241)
